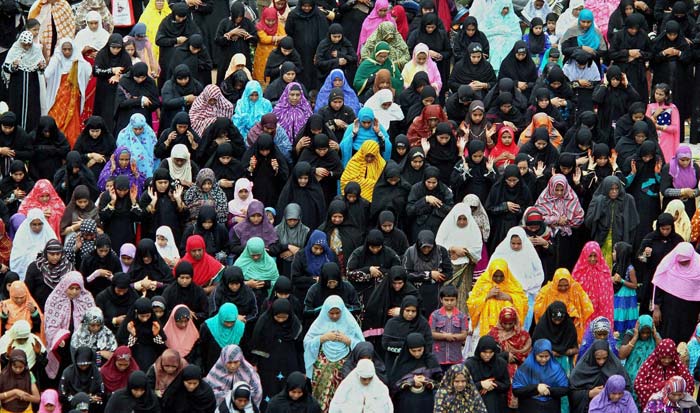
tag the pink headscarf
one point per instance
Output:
(49, 396)
(595, 280)
(553, 207)
(683, 177)
(678, 280)
(202, 114)
(179, 340)
(430, 67)
(372, 22)
(58, 314)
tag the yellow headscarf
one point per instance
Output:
(681, 222)
(151, 17)
(365, 174)
(578, 305)
(486, 310)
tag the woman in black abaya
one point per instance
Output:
(96, 144)
(137, 397)
(303, 189)
(487, 366)
(411, 395)
(506, 204)
(276, 346)
(519, 67)
(267, 169)
(428, 202)
(390, 193)
(111, 63)
(633, 39)
(176, 26)
(180, 397)
(137, 93)
(229, 43)
(307, 26)
(323, 159)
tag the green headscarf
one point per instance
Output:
(222, 334)
(264, 269)
(642, 349)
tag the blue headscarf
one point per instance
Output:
(248, 113)
(333, 350)
(590, 38)
(222, 334)
(352, 143)
(141, 146)
(531, 372)
(350, 98)
(315, 262)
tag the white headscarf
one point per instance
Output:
(169, 251)
(27, 244)
(354, 397)
(480, 216)
(59, 65)
(385, 116)
(96, 39)
(530, 12)
(567, 19)
(21, 328)
(524, 264)
(450, 235)
(28, 59)
(184, 172)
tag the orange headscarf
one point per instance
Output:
(541, 120)
(485, 311)
(15, 312)
(578, 305)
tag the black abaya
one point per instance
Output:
(103, 70)
(307, 30)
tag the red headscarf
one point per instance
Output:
(652, 376)
(420, 128)
(54, 205)
(204, 269)
(401, 20)
(595, 280)
(269, 13)
(500, 148)
(112, 377)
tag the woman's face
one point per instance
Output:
(130, 49)
(563, 286)
(337, 218)
(462, 221)
(95, 327)
(475, 58)
(233, 365)
(593, 258)
(332, 284)
(459, 383)
(486, 355)
(421, 58)
(281, 318)
(138, 393)
(122, 365)
(614, 191)
(428, 101)
(18, 367)
(542, 358)
(417, 163)
(19, 301)
(338, 82)
(498, 276)
(36, 225)
(409, 313)
(645, 333)
(512, 181)
(145, 317)
(397, 285)
(54, 257)
(184, 280)
(431, 183)
(294, 97)
(124, 160)
(334, 314)
(523, 167)
(585, 24)
(73, 291)
(295, 394)
(417, 352)
(516, 244)
(601, 356)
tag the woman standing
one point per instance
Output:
(540, 383)
(327, 345)
(20, 72)
(18, 388)
(490, 374)
(593, 273)
(506, 202)
(564, 289)
(414, 375)
(662, 364)
(111, 63)
(144, 332)
(518, 251)
(231, 367)
(676, 293)
(458, 393)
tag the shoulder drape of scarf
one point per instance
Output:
(113, 378)
(525, 264)
(292, 118)
(554, 207)
(247, 113)
(450, 235)
(141, 146)
(206, 268)
(221, 381)
(365, 174)
(27, 244)
(226, 335)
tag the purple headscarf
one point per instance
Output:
(106, 171)
(129, 250)
(246, 230)
(682, 177)
(602, 404)
(15, 221)
(292, 118)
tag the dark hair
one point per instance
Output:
(665, 88)
(551, 17)
(448, 291)
(31, 23)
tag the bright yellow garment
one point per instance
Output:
(365, 174)
(265, 46)
(578, 305)
(152, 17)
(485, 310)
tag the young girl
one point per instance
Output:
(166, 245)
(130, 48)
(505, 150)
(238, 206)
(665, 116)
(551, 32)
(624, 279)
(538, 42)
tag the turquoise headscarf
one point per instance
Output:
(642, 349)
(590, 38)
(351, 143)
(264, 269)
(248, 113)
(222, 334)
(694, 348)
(141, 146)
(333, 350)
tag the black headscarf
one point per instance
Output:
(364, 350)
(519, 70)
(588, 374)
(268, 330)
(466, 72)
(177, 396)
(77, 380)
(191, 295)
(124, 401)
(244, 298)
(406, 363)
(563, 336)
(105, 58)
(387, 196)
(157, 270)
(281, 402)
(104, 144)
(147, 88)
(411, 175)
(385, 297)
(501, 192)
(121, 280)
(310, 197)
(350, 234)
(329, 161)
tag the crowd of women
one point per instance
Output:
(366, 207)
